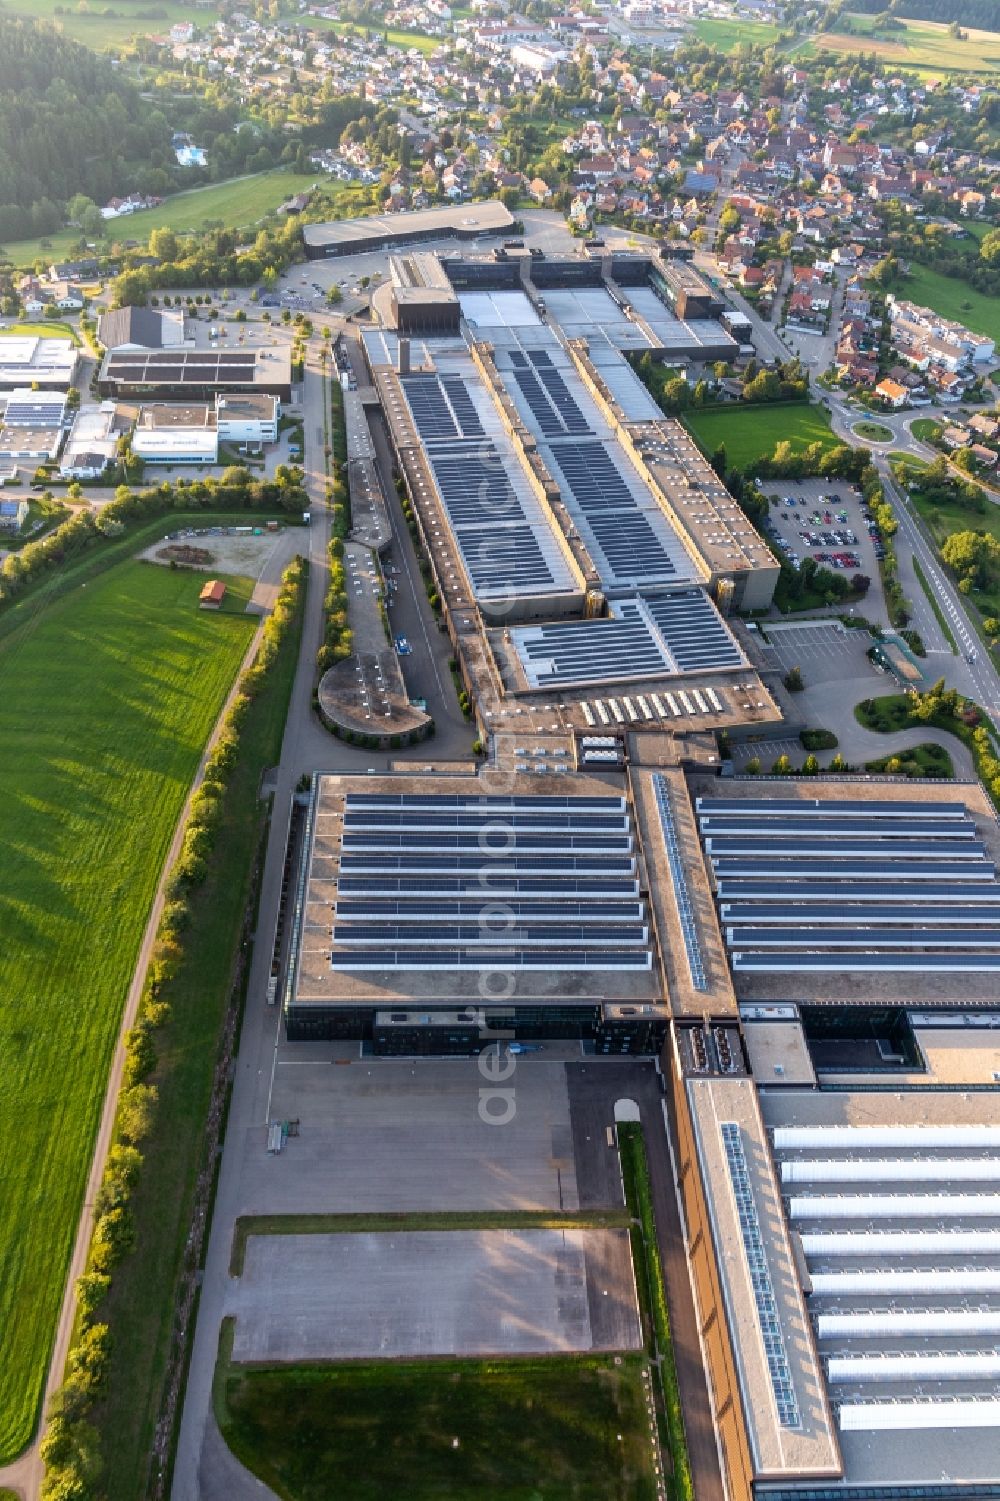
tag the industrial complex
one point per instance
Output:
(814, 961)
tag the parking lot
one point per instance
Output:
(383, 1136)
(823, 519)
(409, 1294)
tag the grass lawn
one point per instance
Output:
(52, 328)
(236, 202)
(363, 1224)
(109, 696)
(727, 36)
(751, 432)
(404, 39)
(947, 517)
(948, 295)
(526, 1430)
(875, 432)
(101, 32)
(924, 429)
(924, 46)
(141, 1306)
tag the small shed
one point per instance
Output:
(212, 595)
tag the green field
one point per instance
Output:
(924, 46)
(925, 428)
(109, 694)
(727, 36)
(750, 432)
(556, 1429)
(948, 295)
(102, 32)
(236, 202)
(404, 39)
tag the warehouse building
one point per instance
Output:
(37, 362)
(397, 921)
(136, 328)
(249, 417)
(176, 435)
(93, 442)
(195, 374)
(463, 221)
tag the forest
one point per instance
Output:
(69, 124)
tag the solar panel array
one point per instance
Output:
(760, 1277)
(504, 540)
(852, 885)
(678, 875)
(696, 634)
(39, 410)
(630, 544)
(443, 882)
(546, 393)
(900, 1231)
(441, 407)
(646, 637)
(157, 367)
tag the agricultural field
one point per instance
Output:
(109, 693)
(750, 432)
(728, 36)
(924, 46)
(236, 202)
(102, 28)
(558, 1429)
(952, 298)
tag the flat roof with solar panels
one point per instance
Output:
(790, 1427)
(664, 635)
(193, 373)
(506, 543)
(622, 524)
(893, 1203)
(878, 885)
(404, 878)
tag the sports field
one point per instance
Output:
(952, 298)
(234, 203)
(923, 45)
(750, 432)
(109, 695)
(520, 1430)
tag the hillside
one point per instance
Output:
(70, 124)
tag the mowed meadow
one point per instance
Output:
(107, 698)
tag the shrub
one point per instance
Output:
(793, 680)
(135, 1113)
(816, 740)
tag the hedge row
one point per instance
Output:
(235, 490)
(338, 638)
(639, 1199)
(69, 1447)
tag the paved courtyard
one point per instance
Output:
(382, 1135)
(411, 1294)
